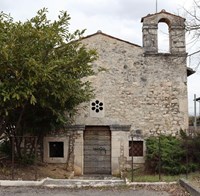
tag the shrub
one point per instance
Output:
(172, 155)
(27, 159)
(192, 145)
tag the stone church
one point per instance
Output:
(139, 92)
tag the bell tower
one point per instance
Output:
(176, 26)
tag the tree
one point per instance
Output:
(42, 67)
(193, 28)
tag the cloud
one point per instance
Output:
(119, 8)
(119, 18)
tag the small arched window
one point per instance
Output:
(163, 37)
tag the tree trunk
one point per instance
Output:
(19, 137)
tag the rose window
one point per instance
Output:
(97, 106)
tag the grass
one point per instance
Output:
(141, 176)
(194, 176)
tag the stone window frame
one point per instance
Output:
(140, 145)
(46, 153)
(137, 159)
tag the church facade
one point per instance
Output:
(139, 93)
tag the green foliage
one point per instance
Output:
(27, 159)
(42, 67)
(172, 154)
(192, 145)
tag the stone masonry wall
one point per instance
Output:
(148, 92)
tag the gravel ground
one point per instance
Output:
(174, 190)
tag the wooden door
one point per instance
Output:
(97, 150)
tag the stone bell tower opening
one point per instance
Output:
(176, 29)
(163, 38)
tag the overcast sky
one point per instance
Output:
(119, 18)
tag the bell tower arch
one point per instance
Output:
(176, 26)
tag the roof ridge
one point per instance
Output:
(110, 36)
(162, 11)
